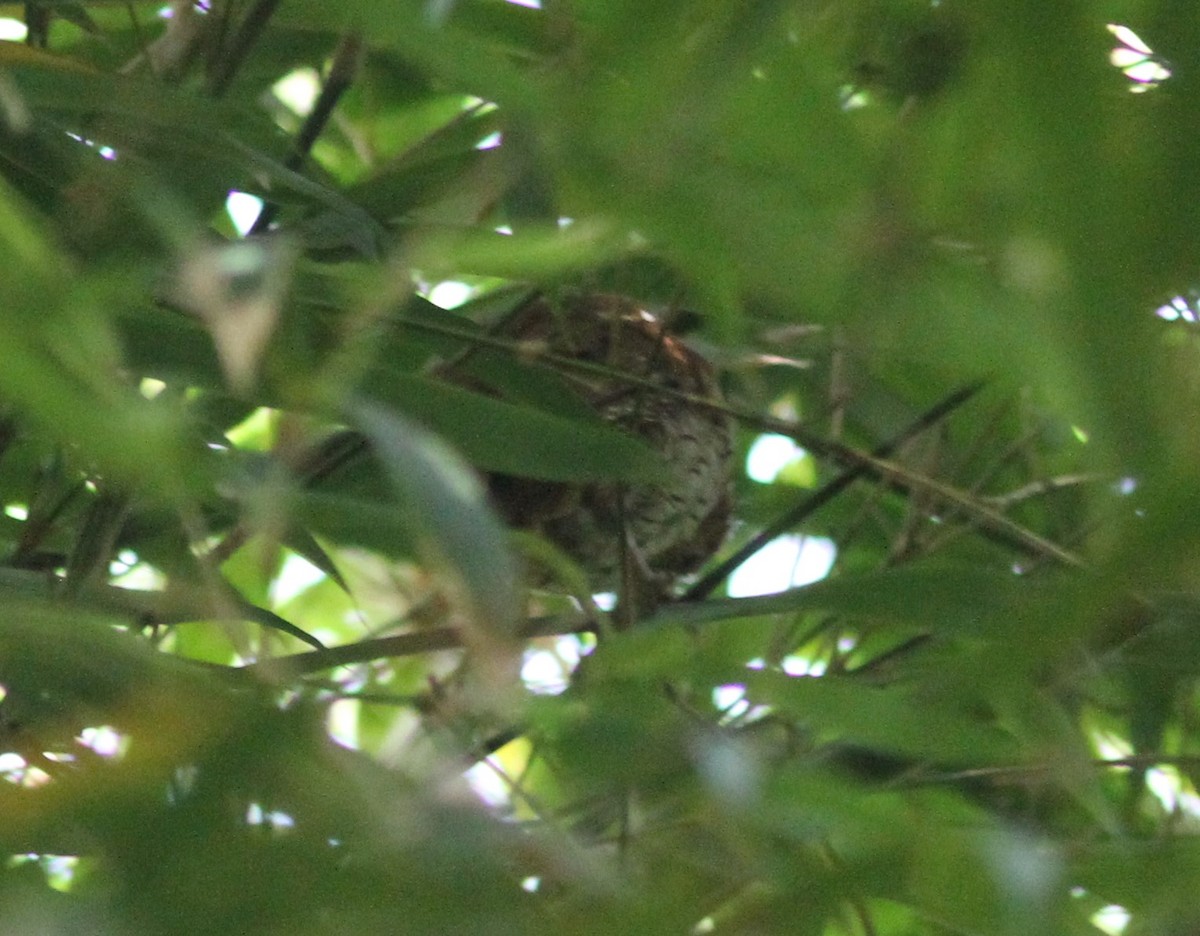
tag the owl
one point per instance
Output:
(652, 533)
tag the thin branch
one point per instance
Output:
(894, 475)
(286, 668)
(1134, 762)
(248, 33)
(347, 59)
(1043, 487)
(824, 495)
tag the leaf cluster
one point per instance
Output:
(269, 659)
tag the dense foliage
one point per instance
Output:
(271, 663)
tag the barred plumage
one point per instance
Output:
(672, 527)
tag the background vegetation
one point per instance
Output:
(255, 682)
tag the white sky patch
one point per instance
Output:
(548, 670)
(341, 721)
(796, 665)
(296, 575)
(274, 819)
(450, 294)
(104, 740)
(12, 30)
(139, 577)
(1136, 59)
(542, 673)
(731, 699)
(783, 563)
(605, 601)
(489, 784)
(1111, 919)
(1166, 784)
(298, 90)
(243, 210)
(150, 387)
(1178, 308)
(768, 455)
(532, 4)
(60, 871)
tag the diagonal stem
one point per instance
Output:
(824, 495)
(243, 41)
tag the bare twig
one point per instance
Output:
(347, 59)
(824, 495)
(248, 33)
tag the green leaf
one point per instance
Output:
(519, 440)
(891, 720)
(444, 508)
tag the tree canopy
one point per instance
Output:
(272, 661)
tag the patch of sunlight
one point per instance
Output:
(450, 294)
(1137, 60)
(272, 819)
(150, 387)
(852, 98)
(26, 775)
(1178, 309)
(298, 90)
(255, 432)
(341, 721)
(1170, 790)
(1110, 746)
(17, 511)
(796, 665)
(731, 700)
(1111, 919)
(105, 152)
(786, 562)
(769, 454)
(243, 210)
(104, 740)
(1080, 434)
(296, 576)
(12, 30)
(547, 670)
(141, 576)
(488, 782)
(605, 601)
(60, 871)
(532, 4)
(125, 560)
